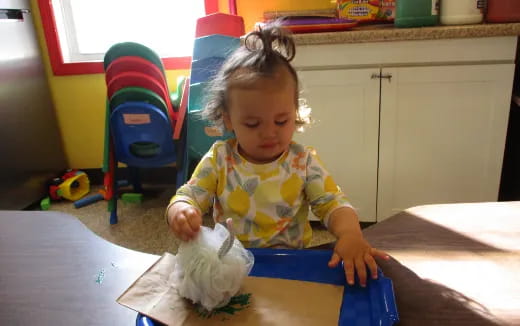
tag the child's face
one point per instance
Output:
(263, 116)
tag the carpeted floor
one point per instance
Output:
(141, 226)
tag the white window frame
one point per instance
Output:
(69, 43)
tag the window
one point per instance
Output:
(79, 32)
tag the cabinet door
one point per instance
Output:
(345, 109)
(442, 135)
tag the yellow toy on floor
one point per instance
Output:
(73, 185)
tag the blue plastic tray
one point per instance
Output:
(372, 305)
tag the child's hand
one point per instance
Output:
(184, 220)
(356, 253)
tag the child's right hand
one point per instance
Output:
(184, 220)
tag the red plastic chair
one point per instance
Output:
(135, 64)
(138, 79)
(183, 107)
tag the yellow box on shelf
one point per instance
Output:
(366, 10)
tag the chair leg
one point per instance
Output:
(185, 170)
(111, 185)
(179, 181)
(112, 205)
(113, 210)
(106, 149)
(135, 178)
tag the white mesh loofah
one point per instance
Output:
(202, 276)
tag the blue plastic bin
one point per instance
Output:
(369, 306)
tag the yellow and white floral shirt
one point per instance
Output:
(269, 203)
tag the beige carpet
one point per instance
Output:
(141, 226)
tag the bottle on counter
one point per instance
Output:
(503, 11)
(460, 12)
(415, 13)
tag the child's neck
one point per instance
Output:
(256, 161)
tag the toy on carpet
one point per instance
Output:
(45, 204)
(101, 195)
(132, 197)
(72, 185)
(89, 200)
(211, 268)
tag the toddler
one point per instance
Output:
(261, 178)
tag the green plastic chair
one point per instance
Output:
(177, 95)
(137, 94)
(131, 49)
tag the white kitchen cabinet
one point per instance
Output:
(432, 133)
(345, 110)
(442, 135)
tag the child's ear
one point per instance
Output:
(227, 121)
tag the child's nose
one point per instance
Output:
(269, 130)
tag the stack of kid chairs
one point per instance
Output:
(143, 127)
(217, 36)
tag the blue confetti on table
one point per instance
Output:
(101, 276)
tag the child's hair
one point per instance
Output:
(262, 53)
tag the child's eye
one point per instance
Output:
(251, 124)
(281, 123)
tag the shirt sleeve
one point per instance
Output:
(200, 190)
(323, 194)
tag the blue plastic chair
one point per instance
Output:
(141, 135)
(135, 124)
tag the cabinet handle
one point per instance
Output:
(387, 76)
(382, 76)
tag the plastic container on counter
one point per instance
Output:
(503, 11)
(416, 13)
(460, 12)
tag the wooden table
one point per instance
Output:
(454, 264)
(55, 271)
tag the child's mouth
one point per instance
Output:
(268, 145)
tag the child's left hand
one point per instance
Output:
(357, 254)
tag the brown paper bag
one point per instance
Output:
(271, 302)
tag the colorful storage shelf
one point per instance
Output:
(217, 36)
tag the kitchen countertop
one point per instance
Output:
(384, 33)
